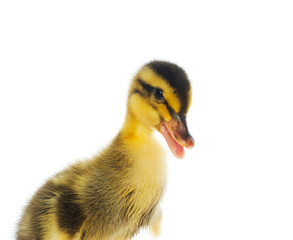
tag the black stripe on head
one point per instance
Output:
(176, 77)
(148, 88)
(170, 109)
(136, 91)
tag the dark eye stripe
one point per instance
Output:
(176, 77)
(170, 109)
(146, 86)
(149, 89)
(136, 91)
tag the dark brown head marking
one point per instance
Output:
(177, 79)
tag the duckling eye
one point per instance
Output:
(159, 94)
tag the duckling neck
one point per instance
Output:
(145, 152)
(135, 129)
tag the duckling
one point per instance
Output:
(115, 194)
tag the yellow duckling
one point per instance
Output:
(113, 195)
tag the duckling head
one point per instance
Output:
(159, 98)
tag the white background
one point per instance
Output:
(65, 67)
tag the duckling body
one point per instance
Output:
(114, 194)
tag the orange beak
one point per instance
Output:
(176, 135)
